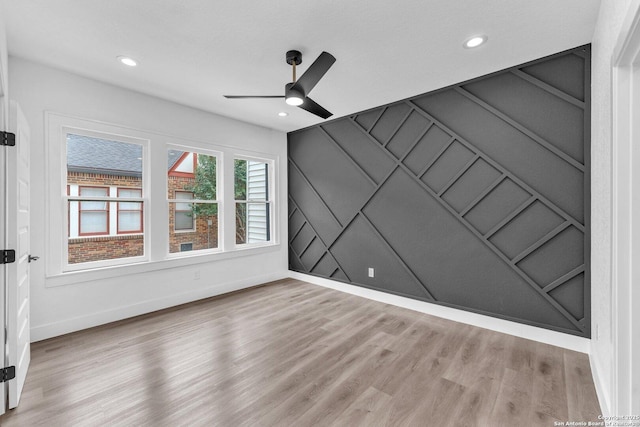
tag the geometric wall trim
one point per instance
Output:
(475, 196)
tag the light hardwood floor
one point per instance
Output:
(295, 354)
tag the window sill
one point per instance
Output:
(74, 277)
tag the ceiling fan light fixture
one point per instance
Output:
(293, 96)
(294, 100)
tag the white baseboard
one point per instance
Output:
(66, 326)
(601, 388)
(50, 330)
(534, 333)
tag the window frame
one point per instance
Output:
(58, 272)
(197, 150)
(175, 212)
(118, 210)
(59, 127)
(107, 211)
(173, 172)
(269, 202)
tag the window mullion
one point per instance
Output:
(228, 220)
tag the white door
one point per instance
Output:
(18, 327)
(3, 242)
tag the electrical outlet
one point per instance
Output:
(597, 332)
(196, 274)
(371, 272)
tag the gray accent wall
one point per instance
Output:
(475, 196)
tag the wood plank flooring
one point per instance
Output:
(295, 354)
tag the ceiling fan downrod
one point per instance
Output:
(294, 58)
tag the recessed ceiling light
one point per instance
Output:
(475, 41)
(283, 114)
(127, 61)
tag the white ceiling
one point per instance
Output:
(194, 51)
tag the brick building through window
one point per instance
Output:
(102, 230)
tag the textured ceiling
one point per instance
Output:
(192, 52)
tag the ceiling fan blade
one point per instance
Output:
(314, 73)
(252, 96)
(313, 107)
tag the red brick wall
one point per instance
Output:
(85, 249)
(94, 179)
(204, 236)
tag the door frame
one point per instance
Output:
(4, 271)
(625, 216)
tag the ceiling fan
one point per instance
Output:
(295, 93)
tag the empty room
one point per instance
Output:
(421, 213)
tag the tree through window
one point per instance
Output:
(193, 225)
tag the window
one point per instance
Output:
(129, 213)
(100, 172)
(253, 207)
(184, 216)
(110, 188)
(192, 176)
(94, 216)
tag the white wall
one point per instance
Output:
(61, 309)
(611, 16)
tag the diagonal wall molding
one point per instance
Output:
(506, 172)
(506, 235)
(500, 254)
(546, 144)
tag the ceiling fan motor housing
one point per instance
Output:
(294, 57)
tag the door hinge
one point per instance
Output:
(7, 373)
(7, 139)
(7, 256)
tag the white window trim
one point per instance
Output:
(271, 202)
(155, 146)
(219, 156)
(81, 276)
(57, 127)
